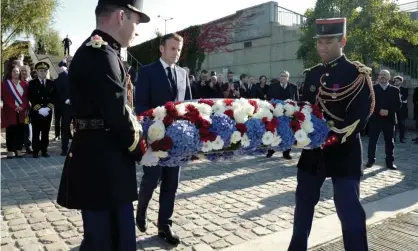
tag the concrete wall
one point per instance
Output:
(267, 55)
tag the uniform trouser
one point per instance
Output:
(40, 127)
(402, 128)
(66, 50)
(347, 203)
(169, 177)
(109, 230)
(375, 128)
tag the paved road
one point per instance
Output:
(400, 234)
(218, 204)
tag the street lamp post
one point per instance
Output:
(165, 22)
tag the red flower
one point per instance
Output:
(206, 135)
(254, 104)
(229, 113)
(241, 128)
(299, 116)
(168, 120)
(228, 102)
(295, 125)
(177, 103)
(207, 101)
(317, 111)
(292, 103)
(147, 113)
(171, 109)
(202, 123)
(163, 144)
(271, 125)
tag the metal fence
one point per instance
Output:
(288, 17)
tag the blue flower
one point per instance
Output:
(220, 156)
(320, 133)
(186, 142)
(286, 133)
(255, 132)
(146, 123)
(277, 101)
(223, 126)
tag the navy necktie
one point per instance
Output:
(172, 82)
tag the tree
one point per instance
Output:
(373, 29)
(50, 43)
(24, 18)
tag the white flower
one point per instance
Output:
(236, 137)
(307, 108)
(263, 113)
(308, 126)
(203, 109)
(301, 136)
(160, 154)
(207, 146)
(267, 138)
(245, 141)
(276, 140)
(304, 143)
(219, 107)
(218, 144)
(156, 131)
(289, 110)
(240, 116)
(181, 109)
(307, 114)
(278, 110)
(159, 113)
(265, 104)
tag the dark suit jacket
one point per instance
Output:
(153, 88)
(276, 91)
(388, 99)
(402, 114)
(63, 89)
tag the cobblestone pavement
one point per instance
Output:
(218, 204)
(400, 234)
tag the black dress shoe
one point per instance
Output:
(35, 155)
(166, 233)
(28, 151)
(270, 153)
(391, 166)
(369, 164)
(287, 156)
(141, 224)
(45, 155)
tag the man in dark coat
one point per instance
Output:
(383, 119)
(283, 90)
(67, 43)
(341, 156)
(42, 95)
(402, 114)
(99, 175)
(158, 83)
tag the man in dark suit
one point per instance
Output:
(388, 102)
(283, 90)
(67, 43)
(42, 95)
(99, 175)
(63, 109)
(158, 83)
(402, 114)
(341, 156)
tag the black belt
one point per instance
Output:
(89, 124)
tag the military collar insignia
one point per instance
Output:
(115, 46)
(96, 41)
(312, 88)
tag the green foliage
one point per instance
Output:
(373, 29)
(192, 55)
(51, 42)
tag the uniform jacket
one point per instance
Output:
(402, 114)
(99, 171)
(153, 87)
(41, 96)
(345, 157)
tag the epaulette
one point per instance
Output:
(362, 68)
(309, 69)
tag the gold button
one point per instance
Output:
(324, 83)
(70, 155)
(327, 74)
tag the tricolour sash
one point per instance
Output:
(15, 92)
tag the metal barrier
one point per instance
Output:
(288, 17)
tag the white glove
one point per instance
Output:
(47, 109)
(67, 101)
(42, 112)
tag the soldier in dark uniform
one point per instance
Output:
(402, 114)
(344, 91)
(99, 175)
(42, 92)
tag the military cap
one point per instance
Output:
(42, 65)
(400, 78)
(133, 5)
(330, 27)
